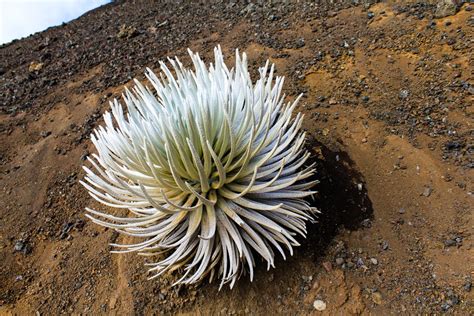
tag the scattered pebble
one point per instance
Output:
(404, 94)
(367, 223)
(19, 245)
(319, 305)
(35, 66)
(339, 261)
(377, 298)
(453, 241)
(45, 134)
(445, 307)
(300, 43)
(127, 32)
(22, 246)
(449, 243)
(467, 286)
(427, 191)
(374, 261)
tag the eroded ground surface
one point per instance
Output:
(388, 98)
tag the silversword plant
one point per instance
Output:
(209, 166)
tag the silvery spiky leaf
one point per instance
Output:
(210, 166)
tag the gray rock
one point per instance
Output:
(427, 191)
(22, 246)
(403, 94)
(19, 245)
(446, 8)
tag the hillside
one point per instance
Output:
(388, 102)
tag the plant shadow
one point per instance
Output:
(344, 204)
(342, 198)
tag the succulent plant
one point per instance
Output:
(210, 168)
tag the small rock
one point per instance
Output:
(45, 134)
(339, 261)
(377, 298)
(300, 43)
(272, 17)
(453, 145)
(403, 94)
(384, 245)
(319, 305)
(307, 278)
(35, 66)
(364, 140)
(427, 191)
(446, 8)
(401, 211)
(127, 32)
(19, 245)
(250, 8)
(22, 246)
(447, 177)
(366, 223)
(467, 286)
(365, 98)
(370, 15)
(374, 261)
(445, 307)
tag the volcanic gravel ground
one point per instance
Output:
(388, 102)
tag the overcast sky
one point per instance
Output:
(20, 18)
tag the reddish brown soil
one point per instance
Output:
(388, 97)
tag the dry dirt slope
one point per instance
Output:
(388, 97)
